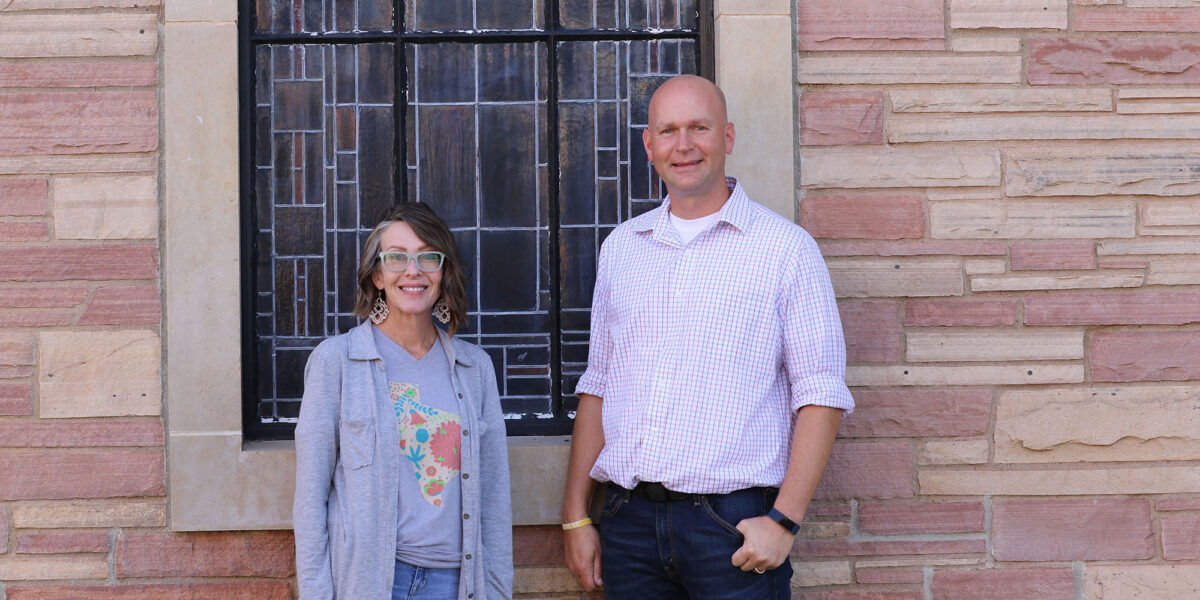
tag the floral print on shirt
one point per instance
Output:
(430, 439)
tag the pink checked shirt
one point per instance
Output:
(702, 353)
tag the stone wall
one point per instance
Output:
(1005, 192)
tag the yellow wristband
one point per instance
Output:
(577, 524)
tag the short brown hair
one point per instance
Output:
(433, 231)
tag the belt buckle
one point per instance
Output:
(655, 492)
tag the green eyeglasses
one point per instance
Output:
(398, 261)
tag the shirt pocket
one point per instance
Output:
(357, 443)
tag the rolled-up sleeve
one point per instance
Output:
(595, 378)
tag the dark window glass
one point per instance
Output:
(477, 108)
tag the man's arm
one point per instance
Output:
(767, 544)
(582, 544)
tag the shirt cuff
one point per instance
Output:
(822, 390)
(590, 383)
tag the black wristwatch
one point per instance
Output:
(783, 521)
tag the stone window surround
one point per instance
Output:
(217, 482)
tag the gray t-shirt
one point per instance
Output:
(429, 531)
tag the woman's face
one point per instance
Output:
(411, 291)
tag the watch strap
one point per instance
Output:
(784, 521)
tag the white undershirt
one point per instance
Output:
(690, 228)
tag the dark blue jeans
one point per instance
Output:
(683, 549)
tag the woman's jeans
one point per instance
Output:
(683, 549)
(424, 583)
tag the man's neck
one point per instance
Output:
(697, 206)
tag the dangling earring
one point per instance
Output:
(380, 311)
(441, 312)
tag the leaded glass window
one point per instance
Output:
(519, 121)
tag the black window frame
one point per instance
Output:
(551, 35)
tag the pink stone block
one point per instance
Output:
(885, 576)
(57, 474)
(841, 118)
(863, 217)
(871, 25)
(911, 248)
(36, 318)
(1048, 256)
(953, 313)
(881, 470)
(210, 554)
(1096, 19)
(1139, 61)
(70, 74)
(1107, 308)
(92, 262)
(24, 231)
(16, 400)
(828, 510)
(62, 543)
(849, 594)
(1004, 584)
(1145, 355)
(1178, 504)
(123, 305)
(872, 330)
(47, 297)
(1181, 537)
(16, 349)
(23, 197)
(78, 123)
(918, 413)
(3, 533)
(923, 517)
(69, 434)
(813, 548)
(1072, 529)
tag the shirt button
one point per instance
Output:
(466, 476)
(466, 516)
(468, 557)
(466, 432)
(460, 395)
(470, 595)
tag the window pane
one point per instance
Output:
(322, 16)
(477, 136)
(474, 15)
(666, 15)
(324, 167)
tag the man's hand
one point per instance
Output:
(582, 549)
(766, 544)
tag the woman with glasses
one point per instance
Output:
(401, 462)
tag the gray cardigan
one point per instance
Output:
(348, 474)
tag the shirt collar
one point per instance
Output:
(735, 211)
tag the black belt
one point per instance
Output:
(657, 492)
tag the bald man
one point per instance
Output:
(715, 380)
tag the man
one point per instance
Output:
(715, 380)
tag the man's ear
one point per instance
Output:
(646, 143)
(730, 134)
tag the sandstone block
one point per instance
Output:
(1004, 584)
(911, 248)
(1181, 537)
(1171, 212)
(896, 167)
(42, 568)
(841, 118)
(966, 375)
(869, 277)
(1174, 270)
(1116, 61)
(16, 399)
(956, 452)
(1140, 582)
(78, 34)
(543, 580)
(1163, 107)
(984, 266)
(918, 413)
(1056, 255)
(1032, 219)
(863, 25)
(857, 594)
(890, 217)
(8, 372)
(75, 373)
(75, 164)
(871, 329)
(77, 122)
(1162, 3)
(123, 305)
(818, 530)
(1060, 482)
(44, 297)
(1096, 172)
(806, 549)
(907, 69)
(74, 74)
(94, 208)
(89, 513)
(1072, 529)
(1172, 21)
(538, 545)
(56, 475)
(76, 434)
(813, 573)
(23, 197)
(993, 346)
(15, 5)
(892, 576)
(17, 349)
(1115, 278)
(1021, 127)
(923, 517)
(985, 44)
(216, 554)
(971, 100)
(828, 510)
(1008, 14)
(868, 470)
(1178, 504)
(36, 318)
(24, 231)
(1147, 246)
(915, 561)
(952, 313)
(62, 263)
(240, 590)
(3, 534)
(62, 543)
(1145, 355)
(1157, 423)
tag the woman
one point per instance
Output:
(401, 461)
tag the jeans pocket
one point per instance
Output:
(614, 499)
(730, 509)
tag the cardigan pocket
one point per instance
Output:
(358, 443)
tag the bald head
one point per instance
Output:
(690, 85)
(687, 139)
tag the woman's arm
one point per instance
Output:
(316, 456)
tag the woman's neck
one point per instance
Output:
(416, 334)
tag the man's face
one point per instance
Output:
(688, 138)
